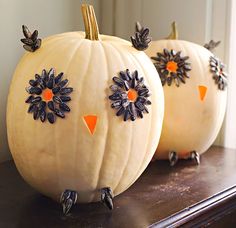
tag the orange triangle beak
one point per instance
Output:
(202, 92)
(91, 122)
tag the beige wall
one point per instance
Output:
(49, 17)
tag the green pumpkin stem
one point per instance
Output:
(90, 22)
(174, 32)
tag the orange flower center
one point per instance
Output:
(172, 66)
(47, 94)
(132, 95)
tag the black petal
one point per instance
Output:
(115, 96)
(26, 31)
(35, 90)
(63, 83)
(31, 108)
(114, 88)
(36, 113)
(116, 104)
(59, 77)
(28, 48)
(132, 110)
(51, 73)
(42, 105)
(65, 91)
(50, 82)
(126, 115)
(143, 92)
(120, 111)
(65, 98)
(56, 90)
(57, 99)
(51, 118)
(124, 76)
(139, 105)
(29, 99)
(51, 105)
(64, 107)
(118, 81)
(33, 83)
(59, 113)
(36, 100)
(34, 35)
(44, 75)
(42, 115)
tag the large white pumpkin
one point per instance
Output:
(194, 106)
(91, 148)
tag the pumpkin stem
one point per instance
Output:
(174, 32)
(90, 22)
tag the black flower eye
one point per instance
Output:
(49, 95)
(130, 95)
(171, 66)
(219, 75)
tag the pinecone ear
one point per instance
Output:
(31, 41)
(212, 45)
(141, 38)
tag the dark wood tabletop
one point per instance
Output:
(163, 196)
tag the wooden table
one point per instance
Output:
(164, 196)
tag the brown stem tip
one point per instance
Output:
(90, 22)
(174, 32)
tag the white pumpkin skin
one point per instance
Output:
(190, 123)
(64, 155)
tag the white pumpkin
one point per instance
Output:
(91, 148)
(194, 110)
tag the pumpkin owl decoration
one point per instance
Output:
(194, 83)
(84, 115)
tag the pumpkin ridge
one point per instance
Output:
(29, 164)
(54, 129)
(90, 46)
(99, 173)
(57, 126)
(142, 163)
(104, 46)
(133, 57)
(131, 132)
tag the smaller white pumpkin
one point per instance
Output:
(194, 84)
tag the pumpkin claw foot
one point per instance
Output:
(106, 197)
(173, 158)
(68, 199)
(195, 156)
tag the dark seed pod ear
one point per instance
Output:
(31, 41)
(140, 39)
(212, 45)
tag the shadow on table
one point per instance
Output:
(43, 212)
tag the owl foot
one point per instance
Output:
(106, 197)
(68, 199)
(195, 156)
(173, 158)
